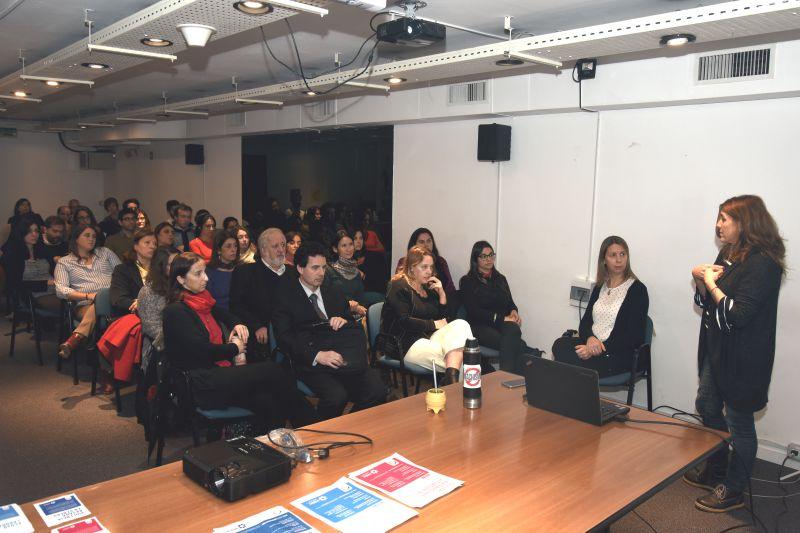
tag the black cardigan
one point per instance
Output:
(186, 339)
(126, 282)
(408, 315)
(738, 333)
(15, 253)
(487, 301)
(629, 327)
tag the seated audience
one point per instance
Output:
(313, 325)
(78, 276)
(74, 204)
(82, 215)
(152, 299)
(122, 241)
(220, 268)
(254, 285)
(184, 229)
(203, 244)
(142, 220)
(230, 224)
(110, 224)
(171, 206)
(247, 248)
(198, 225)
(372, 242)
(128, 277)
(374, 266)
(615, 320)
(28, 264)
(165, 235)
(65, 213)
(132, 203)
(209, 343)
(424, 237)
(293, 242)
(53, 242)
(22, 208)
(343, 274)
(416, 310)
(491, 311)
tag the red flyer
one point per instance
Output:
(90, 525)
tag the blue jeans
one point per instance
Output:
(734, 470)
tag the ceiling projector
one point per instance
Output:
(411, 32)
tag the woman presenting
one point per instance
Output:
(738, 294)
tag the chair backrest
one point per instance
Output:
(273, 345)
(374, 321)
(462, 312)
(648, 332)
(102, 303)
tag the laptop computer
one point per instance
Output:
(568, 390)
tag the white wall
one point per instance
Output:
(216, 185)
(661, 173)
(37, 167)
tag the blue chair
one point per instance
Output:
(393, 365)
(640, 368)
(280, 357)
(491, 353)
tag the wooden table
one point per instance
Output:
(523, 469)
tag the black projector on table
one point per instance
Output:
(411, 32)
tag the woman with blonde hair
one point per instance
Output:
(738, 295)
(415, 311)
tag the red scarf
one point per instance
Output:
(202, 303)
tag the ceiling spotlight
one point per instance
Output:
(256, 101)
(55, 82)
(21, 94)
(252, 7)
(678, 39)
(196, 34)
(155, 42)
(96, 66)
(509, 62)
(311, 93)
(394, 80)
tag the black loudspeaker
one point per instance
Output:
(494, 142)
(195, 154)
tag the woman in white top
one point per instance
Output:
(615, 320)
(79, 276)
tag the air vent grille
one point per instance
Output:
(466, 93)
(323, 110)
(236, 120)
(735, 65)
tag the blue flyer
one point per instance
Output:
(13, 520)
(62, 509)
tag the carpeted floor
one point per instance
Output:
(55, 437)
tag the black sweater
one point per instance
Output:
(15, 253)
(738, 333)
(487, 300)
(186, 339)
(629, 326)
(126, 282)
(408, 315)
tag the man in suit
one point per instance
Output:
(328, 349)
(254, 286)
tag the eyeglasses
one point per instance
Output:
(486, 256)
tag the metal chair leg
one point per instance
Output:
(74, 368)
(37, 335)
(649, 383)
(14, 321)
(117, 396)
(405, 386)
(631, 386)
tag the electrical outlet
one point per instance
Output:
(793, 450)
(579, 292)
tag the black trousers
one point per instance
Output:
(264, 388)
(564, 352)
(508, 340)
(364, 388)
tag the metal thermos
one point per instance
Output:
(472, 374)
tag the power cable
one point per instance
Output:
(10, 9)
(61, 138)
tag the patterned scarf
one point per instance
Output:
(347, 268)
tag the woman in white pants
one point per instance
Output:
(415, 310)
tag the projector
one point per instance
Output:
(411, 32)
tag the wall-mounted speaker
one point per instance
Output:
(195, 154)
(494, 142)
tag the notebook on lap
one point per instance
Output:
(568, 390)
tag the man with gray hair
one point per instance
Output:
(254, 285)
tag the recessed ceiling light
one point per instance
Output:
(252, 7)
(311, 93)
(96, 66)
(21, 94)
(678, 39)
(508, 62)
(394, 80)
(52, 83)
(156, 42)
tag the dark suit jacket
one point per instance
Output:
(126, 282)
(293, 316)
(253, 291)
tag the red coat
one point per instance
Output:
(121, 345)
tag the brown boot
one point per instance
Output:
(450, 376)
(106, 382)
(72, 343)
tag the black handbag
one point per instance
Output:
(388, 345)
